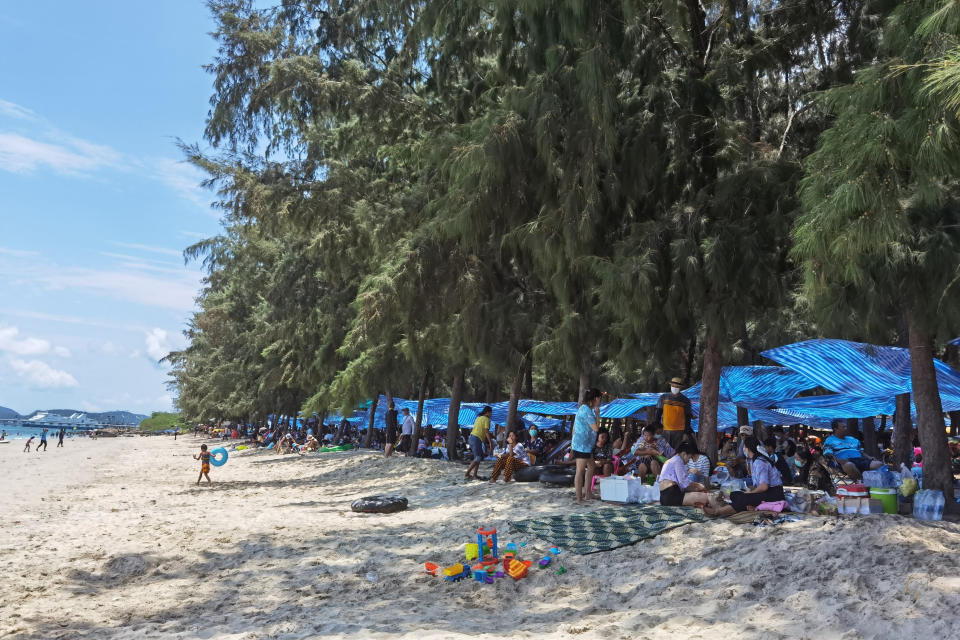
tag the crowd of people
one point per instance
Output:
(664, 451)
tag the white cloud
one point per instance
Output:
(11, 342)
(41, 375)
(39, 145)
(108, 348)
(151, 249)
(20, 154)
(91, 407)
(184, 179)
(158, 344)
(129, 283)
(62, 352)
(16, 111)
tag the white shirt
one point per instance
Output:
(406, 428)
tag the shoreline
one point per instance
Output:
(111, 539)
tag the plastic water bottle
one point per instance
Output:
(936, 503)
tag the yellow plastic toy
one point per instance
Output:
(472, 552)
(454, 570)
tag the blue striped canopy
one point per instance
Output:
(858, 369)
(750, 386)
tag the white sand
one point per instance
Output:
(111, 539)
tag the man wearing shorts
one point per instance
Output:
(849, 452)
(478, 435)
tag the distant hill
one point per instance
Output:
(105, 417)
(6, 414)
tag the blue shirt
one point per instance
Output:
(584, 438)
(842, 448)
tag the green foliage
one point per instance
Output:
(161, 421)
(602, 184)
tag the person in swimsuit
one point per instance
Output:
(204, 459)
(27, 446)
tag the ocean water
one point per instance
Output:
(21, 432)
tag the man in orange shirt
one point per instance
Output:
(673, 412)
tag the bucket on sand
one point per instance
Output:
(887, 496)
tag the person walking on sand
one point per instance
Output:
(585, 429)
(176, 432)
(60, 436)
(390, 420)
(43, 441)
(479, 434)
(26, 447)
(204, 459)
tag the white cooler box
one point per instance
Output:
(621, 489)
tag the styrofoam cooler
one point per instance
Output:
(615, 489)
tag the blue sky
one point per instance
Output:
(96, 204)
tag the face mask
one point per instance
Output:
(674, 390)
(798, 463)
(533, 433)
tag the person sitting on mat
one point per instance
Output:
(514, 457)
(767, 484)
(676, 489)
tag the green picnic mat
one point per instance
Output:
(607, 528)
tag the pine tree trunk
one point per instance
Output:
(453, 415)
(902, 432)
(937, 471)
(368, 438)
(743, 416)
(691, 354)
(585, 366)
(870, 437)
(515, 395)
(412, 451)
(528, 384)
(954, 422)
(709, 394)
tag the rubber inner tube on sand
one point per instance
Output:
(559, 479)
(532, 474)
(216, 459)
(379, 504)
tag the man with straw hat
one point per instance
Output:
(673, 412)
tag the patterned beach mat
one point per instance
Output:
(607, 528)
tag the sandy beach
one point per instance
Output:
(112, 539)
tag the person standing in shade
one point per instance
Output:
(390, 421)
(674, 412)
(479, 434)
(43, 441)
(60, 436)
(585, 428)
(406, 431)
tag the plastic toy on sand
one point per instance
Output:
(218, 457)
(472, 551)
(431, 567)
(491, 536)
